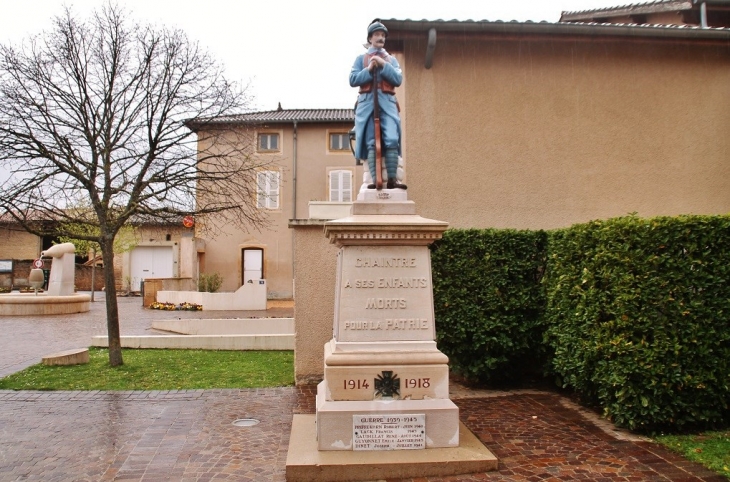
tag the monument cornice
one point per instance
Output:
(384, 230)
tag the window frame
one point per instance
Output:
(345, 141)
(268, 135)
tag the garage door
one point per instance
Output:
(150, 262)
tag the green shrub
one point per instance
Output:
(639, 318)
(210, 282)
(488, 301)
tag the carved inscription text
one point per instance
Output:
(385, 262)
(384, 294)
(389, 432)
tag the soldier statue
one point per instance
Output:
(377, 122)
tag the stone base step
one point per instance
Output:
(78, 356)
(335, 419)
(305, 463)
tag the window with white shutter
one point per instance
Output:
(267, 189)
(341, 186)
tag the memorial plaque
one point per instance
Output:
(389, 432)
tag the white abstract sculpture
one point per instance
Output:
(61, 281)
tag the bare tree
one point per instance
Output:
(94, 113)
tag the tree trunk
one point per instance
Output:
(112, 310)
(93, 272)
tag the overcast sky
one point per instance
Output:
(295, 52)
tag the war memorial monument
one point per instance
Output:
(383, 408)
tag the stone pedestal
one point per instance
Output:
(382, 359)
(383, 408)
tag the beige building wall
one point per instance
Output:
(315, 272)
(303, 161)
(315, 160)
(224, 255)
(18, 244)
(219, 244)
(544, 132)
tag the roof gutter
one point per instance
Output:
(703, 15)
(430, 47)
(663, 32)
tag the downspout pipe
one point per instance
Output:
(430, 48)
(294, 172)
(294, 210)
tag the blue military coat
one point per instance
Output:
(389, 118)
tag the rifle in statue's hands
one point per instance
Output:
(378, 147)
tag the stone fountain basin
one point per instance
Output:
(30, 304)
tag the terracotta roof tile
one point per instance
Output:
(643, 7)
(286, 116)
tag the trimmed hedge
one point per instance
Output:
(638, 318)
(488, 301)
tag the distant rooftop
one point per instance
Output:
(710, 13)
(399, 28)
(636, 8)
(281, 116)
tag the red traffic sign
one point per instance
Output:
(38, 263)
(188, 221)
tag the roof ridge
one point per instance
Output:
(296, 109)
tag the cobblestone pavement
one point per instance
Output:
(27, 339)
(189, 435)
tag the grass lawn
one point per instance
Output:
(711, 449)
(162, 370)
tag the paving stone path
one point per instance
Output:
(189, 435)
(26, 339)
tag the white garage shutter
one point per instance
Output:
(150, 262)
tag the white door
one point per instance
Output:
(253, 264)
(150, 262)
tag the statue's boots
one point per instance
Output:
(371, 167)
(391, 165)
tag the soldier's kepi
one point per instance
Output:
(377, 122)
